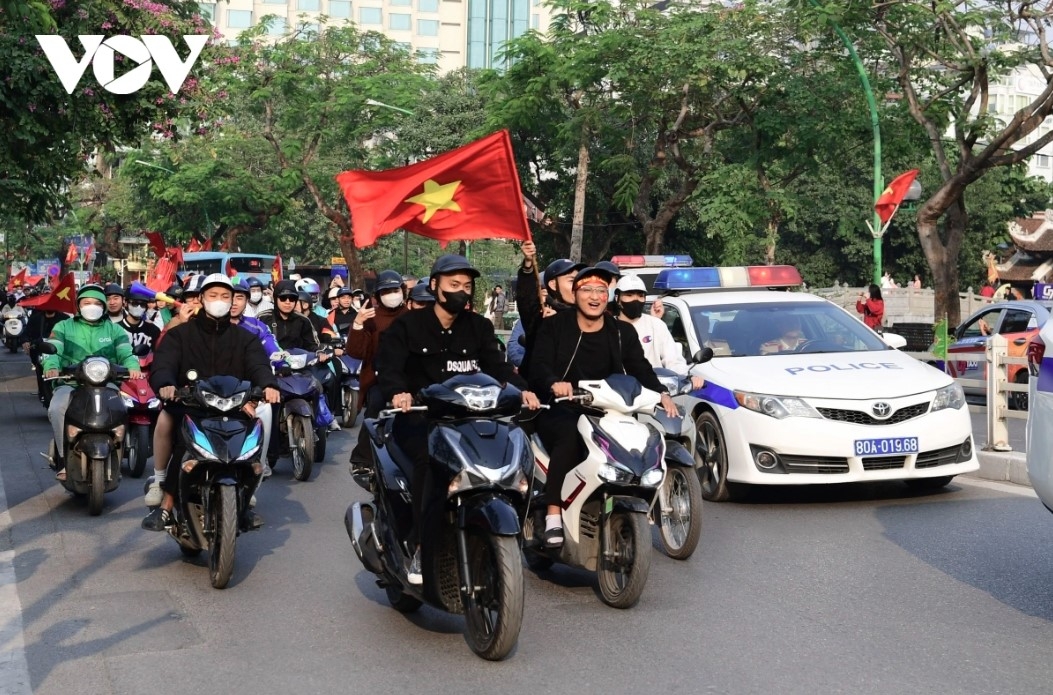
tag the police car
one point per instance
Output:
(800, 391)
(1039, 430)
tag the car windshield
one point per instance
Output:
(779, 328)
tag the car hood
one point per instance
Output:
(879, 374)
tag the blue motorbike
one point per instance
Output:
(303, 438)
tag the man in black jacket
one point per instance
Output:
(290, 329)
(210, 345)
(427, 347)
(586, 343)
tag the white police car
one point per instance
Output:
(1039, 430)
(799, 391)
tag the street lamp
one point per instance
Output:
(155, 166)
(374, 102)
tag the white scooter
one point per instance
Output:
(14, 326)
(608, 496)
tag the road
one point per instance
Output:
(853, 589)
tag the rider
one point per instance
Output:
(210, 345)
(140, 331)
(658, 345)
(586, 343)
(290, 329)
(427, 347)
(362, 341)
(312, 288)
(558, 289)
(326, 333)
(115, 302)
(342, 315)
(39, 326)
(420, 297)
(258, 301)
(85, 335)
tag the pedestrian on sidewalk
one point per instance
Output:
(872, 307)
(498, 306)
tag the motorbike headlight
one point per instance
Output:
(950, 396)
(778, 407)
(129, 402)
(223, 404)
(97, 370)
(653, 477)
(198, 441)
(153, 403)
(479, 397)
(614, 474)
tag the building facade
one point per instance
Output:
(448, 33)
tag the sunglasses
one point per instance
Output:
(286, 299)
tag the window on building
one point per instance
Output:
(427, 27)
(275, 2)
(428, 56)
(239, 19)
(400, 22)
(310, 30)
(1042, 161)
(208, 11)
(277, 26)
(427, 5)
(340, 9)
(370, 15)
(404, 46)
(309, 5)
(401, 3)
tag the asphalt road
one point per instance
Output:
(839, 589)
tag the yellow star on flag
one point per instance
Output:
(436, 196)
(64, 294)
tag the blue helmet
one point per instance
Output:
(241, 286)
(253, 282)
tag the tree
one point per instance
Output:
(307, 94)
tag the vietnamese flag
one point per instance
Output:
(163, 275)
(63, 297)
(194, 246)
(17, 280)
(157, 244)
(207, 246)
(175, 253)
(889, 200)
(71, 254)
(276, 269)
(471, 192)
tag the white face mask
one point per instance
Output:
(255, 297)
(91, 312)
(217, 309)
(356, 304)
(136, 311)
(392, 300)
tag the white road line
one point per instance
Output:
(1011, 488)
(14, 671)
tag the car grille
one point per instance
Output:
(939, 457)
(858, 417)
(883, 463)
(814, 464)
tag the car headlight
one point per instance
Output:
(223, 404)
(97, 370)
(778, 407)
(479, 397)
(950, 396)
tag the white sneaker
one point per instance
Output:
(413, 572)
(252, 501)
(267, 470)
(154, 495)
(334, 426)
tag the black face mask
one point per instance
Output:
(632, 310)
(455, 302)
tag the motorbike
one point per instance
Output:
(14, 327)
(350, 395)
(302, 438)
(219, 447)
(144, 407)
(678, 512)
(94, 429)
(479, 478)
(607, 497)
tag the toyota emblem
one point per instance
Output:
(882, 410)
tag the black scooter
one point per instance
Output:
(480, 473)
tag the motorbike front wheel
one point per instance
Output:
(224, 535)
(301, 446)
(493, 619)
(97, 468)
(680, 522)
(623, 574)
(139, 442)
(350, 411)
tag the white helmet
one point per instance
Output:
(308, 285)
(631, 283)
(217, 279)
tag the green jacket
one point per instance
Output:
(77, 339)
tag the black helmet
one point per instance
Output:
(451, 263)
(305, 297)
(610, 267)
(421, 294)
(112, 289)
(285, 288)
(560, 267)
(387, 280)
(344, 292)
(175, 291)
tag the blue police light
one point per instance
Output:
(687, 279)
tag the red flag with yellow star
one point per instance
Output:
(62, 298)
(471, 192)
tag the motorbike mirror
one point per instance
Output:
(47, 348)
(141, 350)
(522, 340)
(191, 375)
(703, 355)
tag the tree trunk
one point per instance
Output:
(355, 274)
(578, 224)
(941, 251)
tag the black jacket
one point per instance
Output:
(295, 331)
(557, 339)
(39, 325)
(415, 351)
(210, 347)
(528, 304)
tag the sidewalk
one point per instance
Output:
(1007, 466)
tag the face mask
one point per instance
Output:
(217, 309)
(610, 295)
(255, 297)
(136, 311)
(91, 312)
(392, 300)
(356, 304)
(455, 302)
(632, 310)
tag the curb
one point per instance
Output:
(1003, 466)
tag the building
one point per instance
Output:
(1032, 260)
(1014, 92)
(449, 33)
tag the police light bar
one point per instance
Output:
(675, 261)
(730, 277)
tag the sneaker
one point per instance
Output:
(334, 426)
(553, 537)
(267, 472)
(154, 495)
(158, 520)
(413, 573)
(252, 501)
(253, 520)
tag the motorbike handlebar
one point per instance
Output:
(392, 412)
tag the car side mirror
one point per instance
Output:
(703, 355)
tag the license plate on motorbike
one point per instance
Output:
(888, 446)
